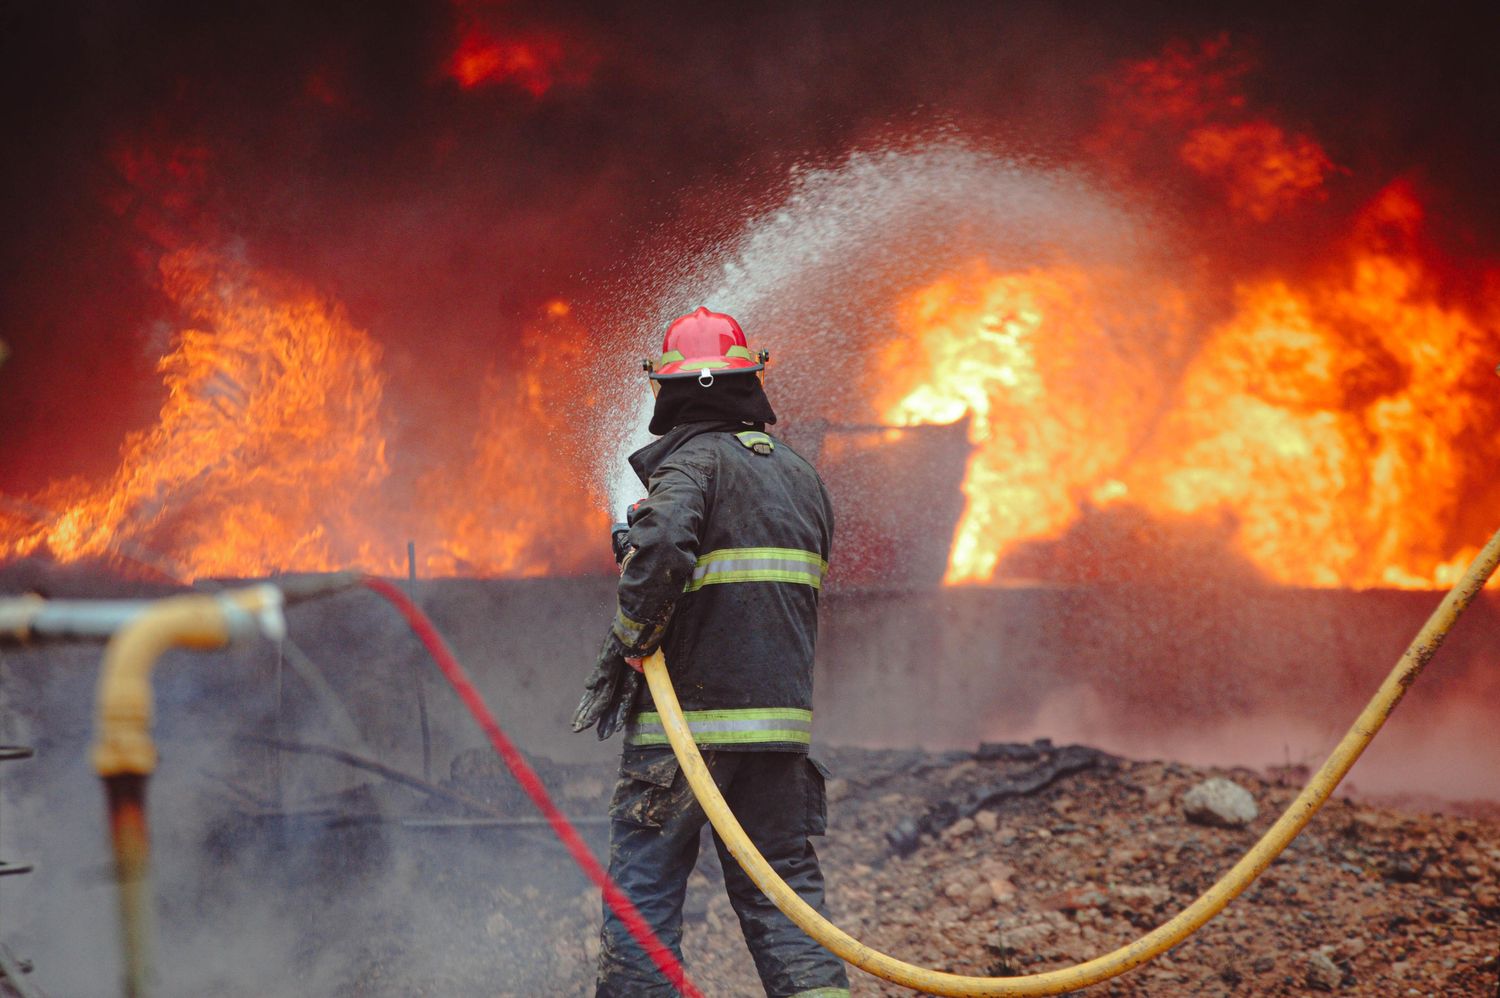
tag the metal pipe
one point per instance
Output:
(122, 734)
(124, 754)
(32, 618)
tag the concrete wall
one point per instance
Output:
(1218, 673)
(1250, 675)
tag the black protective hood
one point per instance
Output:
(733, 398)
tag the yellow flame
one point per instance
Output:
(1330, 423)
(271, 409)
(1043, 363)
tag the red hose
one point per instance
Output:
(624, 910)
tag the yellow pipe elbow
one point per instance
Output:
(124, 754)
(122, 740)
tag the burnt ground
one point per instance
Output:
(1367, 901)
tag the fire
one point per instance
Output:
(493, 49)
(485, 58)
(1198, 92)
(272, 406)
(1323, 431)
(1319, 427)
(523, 505)
(1185, 84)
(1262, 169)
(1028, 356)
(269, 453)
(1335, 421)
(1329, 423)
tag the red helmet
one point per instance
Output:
(704, 341)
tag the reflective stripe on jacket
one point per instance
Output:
(728, 728)
(731, 546)
(757, 565)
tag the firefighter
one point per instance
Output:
(722, 568)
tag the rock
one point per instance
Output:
(1027, 937)
(1406, 868)
(1077, 899)
(997, 877)
(1023, 890)
(1322, 973)
(1141, 899)
(1219, 802)
(1157, 793)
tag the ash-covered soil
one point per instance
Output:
(986, 876)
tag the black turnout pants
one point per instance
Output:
(779, 799)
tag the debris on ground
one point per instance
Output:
(1219, 802)
(1367, 901)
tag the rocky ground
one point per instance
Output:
(955, 861)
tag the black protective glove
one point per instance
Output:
(612, 688)
(623, 704)
(610, 692)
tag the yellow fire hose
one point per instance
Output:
(1155, 942)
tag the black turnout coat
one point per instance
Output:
(730, 545)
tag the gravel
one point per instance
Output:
(1367, 901)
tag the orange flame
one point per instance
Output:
(1331, 424)
(1324, 430)
(271, 408)
(492, 49)
(524, 505)
(1197, 90)
(1186, 83)
(269, 454)
(1263, 170)
(485, 58)
(1336, 421)
(1026, 355)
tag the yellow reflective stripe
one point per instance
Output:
(729, 738)
(634, 633)
(670, 356)
(783, 554)
(757, 565)
(742, 726)
(739, 351)
(755, 575)
(754, 438)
